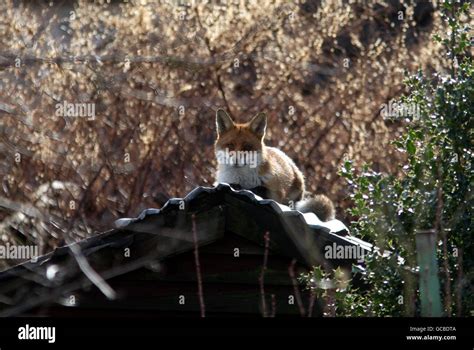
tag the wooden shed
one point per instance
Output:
(204, 251)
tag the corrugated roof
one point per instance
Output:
(159, 233)
(333, 227)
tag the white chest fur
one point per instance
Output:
(245, 176)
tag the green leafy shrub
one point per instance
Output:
(433, 192)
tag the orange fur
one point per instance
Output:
(274, 170)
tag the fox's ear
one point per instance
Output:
(258, 124)
(223, 121)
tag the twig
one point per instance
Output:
(299, 301)
(84, 265)
(89, 272)
(219, 84)
(273, 306)
(261, 279)
(202, 307)
(312, 299)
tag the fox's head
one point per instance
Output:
(240, 145)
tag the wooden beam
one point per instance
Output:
(429, 281)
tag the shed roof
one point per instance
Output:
(202, 217)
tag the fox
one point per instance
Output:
(245, 162)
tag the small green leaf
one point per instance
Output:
(411, 148)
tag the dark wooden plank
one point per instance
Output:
(244, 301)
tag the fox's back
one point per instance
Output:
(282, 176)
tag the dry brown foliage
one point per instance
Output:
(157, 71)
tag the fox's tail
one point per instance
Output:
(321, 205)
